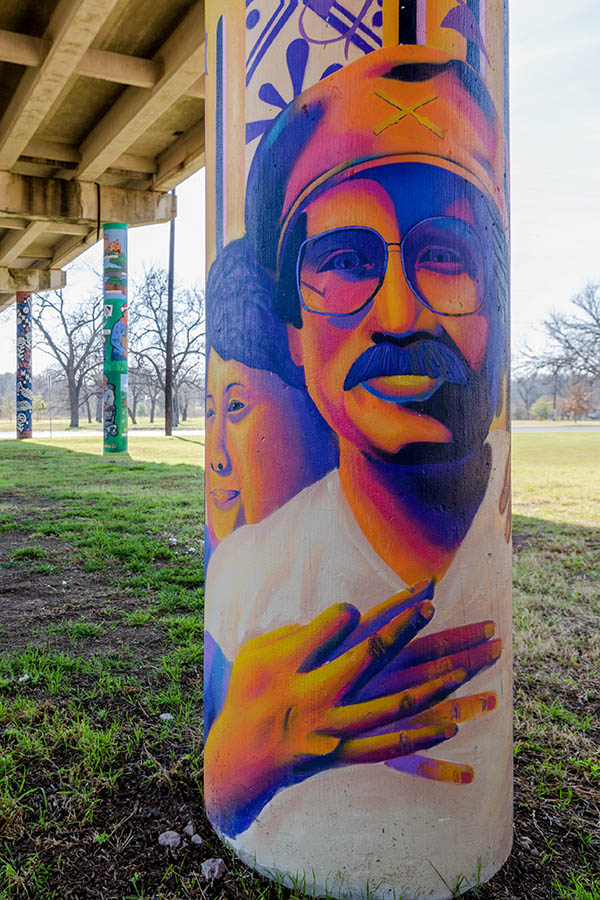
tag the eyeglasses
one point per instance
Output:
(339, 271)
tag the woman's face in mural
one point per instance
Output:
(384, 412)
(255, 445)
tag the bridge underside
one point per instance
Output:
(101, 114)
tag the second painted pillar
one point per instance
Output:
(115, 338)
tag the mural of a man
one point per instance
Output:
(118, 338)
(389, 250)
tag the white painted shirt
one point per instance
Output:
(370, 823)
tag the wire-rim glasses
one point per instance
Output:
(339, 271)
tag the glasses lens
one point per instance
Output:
(340, 270)
(444, 263)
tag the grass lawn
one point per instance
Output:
(61, 423)
(102, 587)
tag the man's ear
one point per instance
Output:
(295, 345)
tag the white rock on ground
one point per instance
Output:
(169, 839)
(213, 869)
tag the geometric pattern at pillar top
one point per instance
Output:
(24, 347)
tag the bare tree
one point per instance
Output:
(574, 337)
(73, 338)
(526, 382)
(148, 330)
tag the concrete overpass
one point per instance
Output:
(101, 114)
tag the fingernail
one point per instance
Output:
(450, 730)
(490, 703)
(421, 586)
(496, 649)
(466, 777)
(489, 629)
(426, 610)
(458, 676)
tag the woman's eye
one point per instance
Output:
(235, 406)
(443, 260)
(350, 262)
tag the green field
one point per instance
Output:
(61, 423)
(102, 586)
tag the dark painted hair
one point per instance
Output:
(241, 319)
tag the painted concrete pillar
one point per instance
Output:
(115, 338)
(358, 645)
(24, 404)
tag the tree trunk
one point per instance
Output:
(73, 403)
(175, 409)
(98, 408)
(88, 410)
(132, 410)
(184, 410)
(555, 396)
(152, 407)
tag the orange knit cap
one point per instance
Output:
(399, 104)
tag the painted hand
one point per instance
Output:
(290, 709)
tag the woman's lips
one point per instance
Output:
(402, 388)
(224, 499)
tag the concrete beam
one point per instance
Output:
(105, 65)
(55, 227)
(55, 153)
(81, 203)
(13, 280)
(72, 27)
(182, 62)
(6, 300)
(70, 248)
(181, 159)
(16, 243)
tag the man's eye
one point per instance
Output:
(443, 260)
(347, 262)
(210, 414)
(235, 406)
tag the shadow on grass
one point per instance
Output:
(38, 465)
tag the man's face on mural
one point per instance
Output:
(394, 373)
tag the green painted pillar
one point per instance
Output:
(115, 338)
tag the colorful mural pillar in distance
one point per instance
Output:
(358, 596)
(24, 361)
(115, 338)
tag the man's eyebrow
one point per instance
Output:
(234, 384)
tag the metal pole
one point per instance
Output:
(358, 735)
(24, 398)
(50, 402)
(115, 338)
(169, 353)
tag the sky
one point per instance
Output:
(555, 174)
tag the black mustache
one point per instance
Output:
(423, 356)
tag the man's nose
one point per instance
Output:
(396, 309)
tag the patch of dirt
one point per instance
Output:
(97, 858)
(35, 606)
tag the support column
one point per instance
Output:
(358, 635)
(24, 404)
(115, 338)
